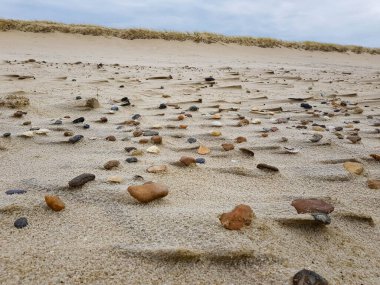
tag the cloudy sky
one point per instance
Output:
(336, 21)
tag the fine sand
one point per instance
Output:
(104, 236)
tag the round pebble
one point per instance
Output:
(21, 223)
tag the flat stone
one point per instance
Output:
(115, 179)
(157, 169)
(265, 166)
(78, 120)
(308, 277)
(354, 167)
(148, 192)
(228, 146)
(15, 191)
(191, 140)
(153, 149)
(111, 164)
(312, 206)
(150, 133)
(240, 139)
(202, 150)
(75, 139)
(131, 159)
(373, 183)
(187, 160)
(54, 203)
(81, 180)
(242, 215)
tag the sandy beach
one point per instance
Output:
(105, 236)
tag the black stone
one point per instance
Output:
(193, 108)
(78, 120)
(162, 106)
(130, 148)
(136, 116)
(6, 135)
(15, 191)
(306, 106)
(308, 277)
(125, 101)
(210, 78)
(131, 159)
(191, 140)
(21, 223)
(86, 126)
(78, 98)
(75, 138)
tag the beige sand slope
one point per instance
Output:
(104, 236)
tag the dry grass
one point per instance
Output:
(131, 34)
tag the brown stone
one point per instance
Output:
(265, 166)
(18, 114)
(354, 167)
(68, 134)
(374, 183)
(264, 135)
(228, 146)
(157, 168)
(181, 117)
(148, 192)
(156, 139)
(375, 156)
(103, 120)
(239, 217)
(183, 127)
(243, 122)
(202, 150)
(137, 133)
(312, 206)
(354, 139)
(240, 139)
(187, 160)
(81, 180)
(111, 138)
(54, 203)
(92, 103)
(143, 141)
(111, 164)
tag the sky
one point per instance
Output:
(332, 21)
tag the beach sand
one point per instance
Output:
(104, 236)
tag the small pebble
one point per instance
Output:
(86, 126)
(111, 164)
(242, 215)
(6, 135)
(111, 138)
(308, 277)
(21, 223)
(265, 166)
(131, 159)
(191, 140)
(15, 191)
(75, 139)
(200, 160)
(78, 120)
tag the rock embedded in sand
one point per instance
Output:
(191, 140)
(240, 139)
(81, 180)
(153, 149)
(111, 138)
(15, 191)
(304, 206)
(92, 103)
(19, 114)
(143, 141)
(148, 192)
(137, 133)
(156, 139)
(316, 138)
(242, 215)
(181, 117)
(115, 179)
(200, 160)
(111, 164)
(318, 129)
(228, 146)
(202, 150)
(157, 169)
(375, 156)
(308, 277)
(187, 160)
(21, 223)
(75, 139)
(373, 183)
(354, 167)
(354, 139)
(54, 203)
(78, 120)
(265, 166)
(68, 133)
(243, 122)
(131, 159)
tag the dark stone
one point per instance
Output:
(200, 160)
(308, 277)
(130, 148)
(15, 191)
(78, 98)
(21, 223)
(338, 129)
(306, 106)
(162, 106)
(75, 138)
(191, 140)
(86, 126)
(125, 101)
(264, 166)
(322, 218)
(78, 120)
(150, 133)
(210, 78)
(59, 122)
(131, 159)
(193, 108)
(81, 180)
(115, 108)
(6, 135)
(312, 206)
(136, 116)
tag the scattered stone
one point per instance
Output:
(136, 116)
(19, 114)
(247, 151)
(318, 129)
(156, 139)
(103, 120)
(21, 223)
(202, 150)
(183, 127)
(148, 192)
(193, 108)
(354, 139)
(75, 139)
(27, 134)
(210, 78)
(191, 140)
(137, 152)
(26, 123)
(292, 150)
(375, 156)
(308, 277)
(187, 160)
(256, 121)
(373, 183)
(242, 215)
(42, 131)
(114, 108)
(115, 179)
(153, 149)
(86, 126)
(6, 135)
(243, 122)
(162, 106)
(78, 120)
(54, 203)
(228, 146)
(216, 116)
(150, 133)
(304, 206)
(137, 133)
(131, 159)
(264, 166)
(216, 133)
(316, 138)
(306, 106)
(15, 191)
(92, 103)
(111, 164)
(354, 167)
(240, 139)
(181, 117)
(81, 180)
(157, 169)
(200, 160)
(322, 218)
(111, 138)
(129, 148)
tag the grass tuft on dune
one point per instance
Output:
(198, 37)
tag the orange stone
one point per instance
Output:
(184, 127)
(54, 203)
(181, 117)
(143, 141)
(148, 192)
(242, 215)
(264, 135)
(203, 150)
(156, 139)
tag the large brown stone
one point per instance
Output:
(81, 180)
(187, 160)
(54, 203)
(312, 206)
(354, 167)
(239, 217)
(148, 192)
(374, 183)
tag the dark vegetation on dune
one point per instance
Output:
(199, 37)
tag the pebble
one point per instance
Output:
(162, 106)
(103, 120)
(21, 223)
(215, 133)
(308, 277)
(6, 135)
(153, 149)
(27, 123)
(19, 114)
(318, 129)
(191, 140)
(243, 122)
(354, 139)
(373, 183)
(265, 166)
(75, 139)
(306, 106)
(187, 160)
(216, 124)
(115, 179)
(240, 139)
(148, 192)
(78, 120)
(137, 152)
(183, 127)
(81, 180)
(27, 134)
(316, 138)
(242, 215)
(312, 206)
(210, 78)
(202, 150)
(111, 164)
(354, 167)
(292, 150)
(125, 101)
(129, 148)
(228, 146)
(68, 133)
(136, 116)
(256, 121)
(193, 108)
(137, 133)
(131, 159)
(247, 151)
(15, 191)
(157, 169)
(322, 218)
(156, 139)
(54, 203)
(111, 138)
(200, 160)
(114, 108)
(181, 117)
(216, 116)
(86, 126)
(92, 103)
(375, 156)
(42, 131)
